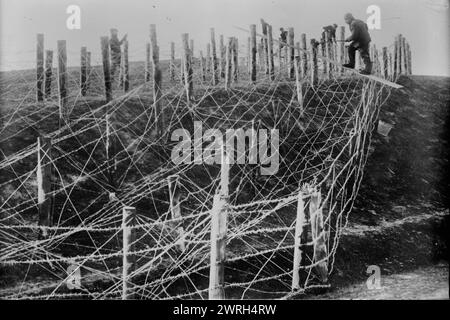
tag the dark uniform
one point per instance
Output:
(331, 30)
(360, 40)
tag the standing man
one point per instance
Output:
(116, 52)
(359, 40)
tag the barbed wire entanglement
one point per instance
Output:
(93, 205)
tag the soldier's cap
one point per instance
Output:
(114, 30)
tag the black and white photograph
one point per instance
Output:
(240, 153)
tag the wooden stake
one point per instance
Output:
(62, 78)
(228, 67)
(215, 75)
(329, 47)
(147, 62)
(48, 72)
(44, 183)
(291, 53)
(235, 59)
(208, 57)
(270, 52)
(400, 56)
(299, 85)
(253, 51)
(222, 57)
(88, 69)
(219, 215)
(299, 223)
(405, 56)
(385, 63)
(125, 73)
(314, 67)
(40, 67)
(202, 66)
(304, 55)
(187, 68)
(83, 70)
(172, 61)
(318, 236)
(175, 209)
(157, 80)
(106, 68)
(129, 259)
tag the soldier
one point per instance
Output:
(359, 40)
(116, 53)
(283, 37)
(331, 30)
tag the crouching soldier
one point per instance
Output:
(359, 40)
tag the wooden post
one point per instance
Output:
(147, 62)
(62, 78)
(253, 51)
(318, 236)
(44, 183)
(202, 66)
(405, 56)
(208, 57)
(298, 85)
(126, 74)
(187, 67)
(280, 59)
(172, 61)
(222, 56)
(270, 52)
(249, 55)
(314, 67)
(106, 68)
(88, 69)
(299, 223)
(327, 56)
(304, 55)
(174, 201)
(215, 75)
(395, 64)
(191, 47)
(129, 259)
(265, 46)
(228, 74)
(408, 50)
(219, 215)
(235, 59)
(48, 72)
(385, 63)
(83, 70)
(291, 53)
(40, 67)
(157, 80)
(400, 58)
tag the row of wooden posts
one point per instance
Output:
(293, 57)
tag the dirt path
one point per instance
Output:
(424, 283)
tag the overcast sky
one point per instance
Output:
(425, 23)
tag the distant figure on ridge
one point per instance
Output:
(359, 40)
(283, 37)
(116, 52)
(331, 30)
